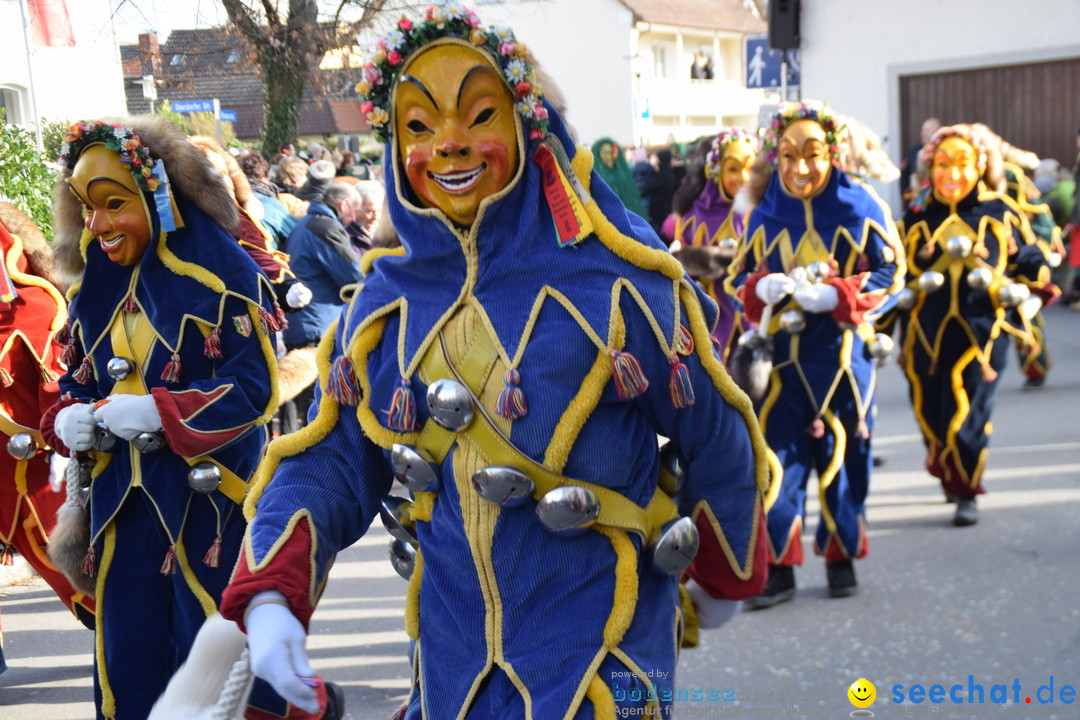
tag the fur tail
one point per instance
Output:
(296, 371)
(70, 539)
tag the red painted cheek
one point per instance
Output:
(497, 155)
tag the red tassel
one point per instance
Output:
(341, 384)
(682, 392)
(171, 373)
(84, 373)
(68, 355)
(129, 303)
(47, 375)
(5, 378)
(630, 380)
(402, 413)
(399, 714)
(816, 429)
(7, 554)
(511, 403)
(279, 314)
(863, 430)
(88, 562)
(269, 322)
(684, 341)
(213, 555)
(63, 335)
(212, 346)
(168, 566)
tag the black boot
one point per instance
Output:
(779, 588)
(966, 512)
(842, 581)
(335, 703)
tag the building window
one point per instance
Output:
(233, 56)
(665, 120)
(13, 103)
(660, 55)
(176, 59)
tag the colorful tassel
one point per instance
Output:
(84, 373)
(511, 403)
(68, 354)
(168, 565)
(279, 315)
(862, 429)
(989, 374)
(129, 303)
(402, 413)
(63, 335)
(682, 392)
(341, 384)
(47, 375)
(269, 321)
(89, 562)
(5, 378)
(213, 555)
(684, 341)
(171, 373)
(630, 380)
(212, 345)
(816, 429)
(7, 554)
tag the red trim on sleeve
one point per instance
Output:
(752, 304)
(853, 304)
(712, 570)
(46, 426)
(289, 572)
(176, 409)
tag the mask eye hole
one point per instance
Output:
(418, 127)
(485, 115)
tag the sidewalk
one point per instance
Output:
(18, 574)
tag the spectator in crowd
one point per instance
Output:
(613, 170)
(911, 161)
(292, 175)
(657, 189)
(320, 174)
(276, 217)
(362, 229)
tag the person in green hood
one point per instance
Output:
(614, 171)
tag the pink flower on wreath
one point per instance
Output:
(540, 111)
(536, 134)
(523, 89)
(394, 58)
(152, 183)
(367, 106)
(506, 48)
(471, 19)
(373, 74)
(405, 24)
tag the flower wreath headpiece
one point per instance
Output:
(967, 134)
(118, 138)
(720, 144)
(448, 20)
(789, 112)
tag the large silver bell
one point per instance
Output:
(1013, 294)
(413, 468)
(450, 404)
(119, 368)
(393, 512)
(727, 248)
(793, 321)
(204, 477)
(931, 281)
(503, 485)
(672, 477)
(402, 557)
(819, 271)
(675, 546)
(22, 446)
(881, 348)
(148, 442)
(958, 246)
(104, 439)
(980, 278)
(905, 299)
(568, 510)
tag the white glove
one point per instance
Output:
(129, 415)
(298, 295)
(57, 467)
(75, 426)
(711, 612)
(774, 286)
(276, 647)
(817, 298)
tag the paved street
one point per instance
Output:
(969, 607)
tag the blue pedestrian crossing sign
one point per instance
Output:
(763, 64)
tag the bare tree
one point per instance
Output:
(761, 7)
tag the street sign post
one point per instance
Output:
(228, 115)
(765, 67)
(213, 106)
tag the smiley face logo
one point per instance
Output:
(862, 693)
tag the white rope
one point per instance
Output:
(235, 692)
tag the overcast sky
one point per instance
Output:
(138, 16)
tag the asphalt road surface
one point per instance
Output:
(987, 613)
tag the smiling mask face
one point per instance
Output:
(735, 167)
(954, 171)
(803, 159)
(455, 130)
(112, 204)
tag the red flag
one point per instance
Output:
(50, 23)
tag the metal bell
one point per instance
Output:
(1013, 294)
(675, 545)
(958, 246)
(149, 442)
(931, 281)
(727, 248)
(22, 446)
(413, 468)
(881, 348)
(905, 299)
(568, 510)
(503, 485)
(672, 477)
(1030, 307)
(392, 513)
(104, 439)
(1054, 260)
(204, 477)
(980, 278)
(450, 404)
(792, 321)
(819, 271)
(119, 368)
(402, 557)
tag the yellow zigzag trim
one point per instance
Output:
(369, 257)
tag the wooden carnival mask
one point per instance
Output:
(735, 167)
(114, 209)
(803, 159)
(954, 170)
